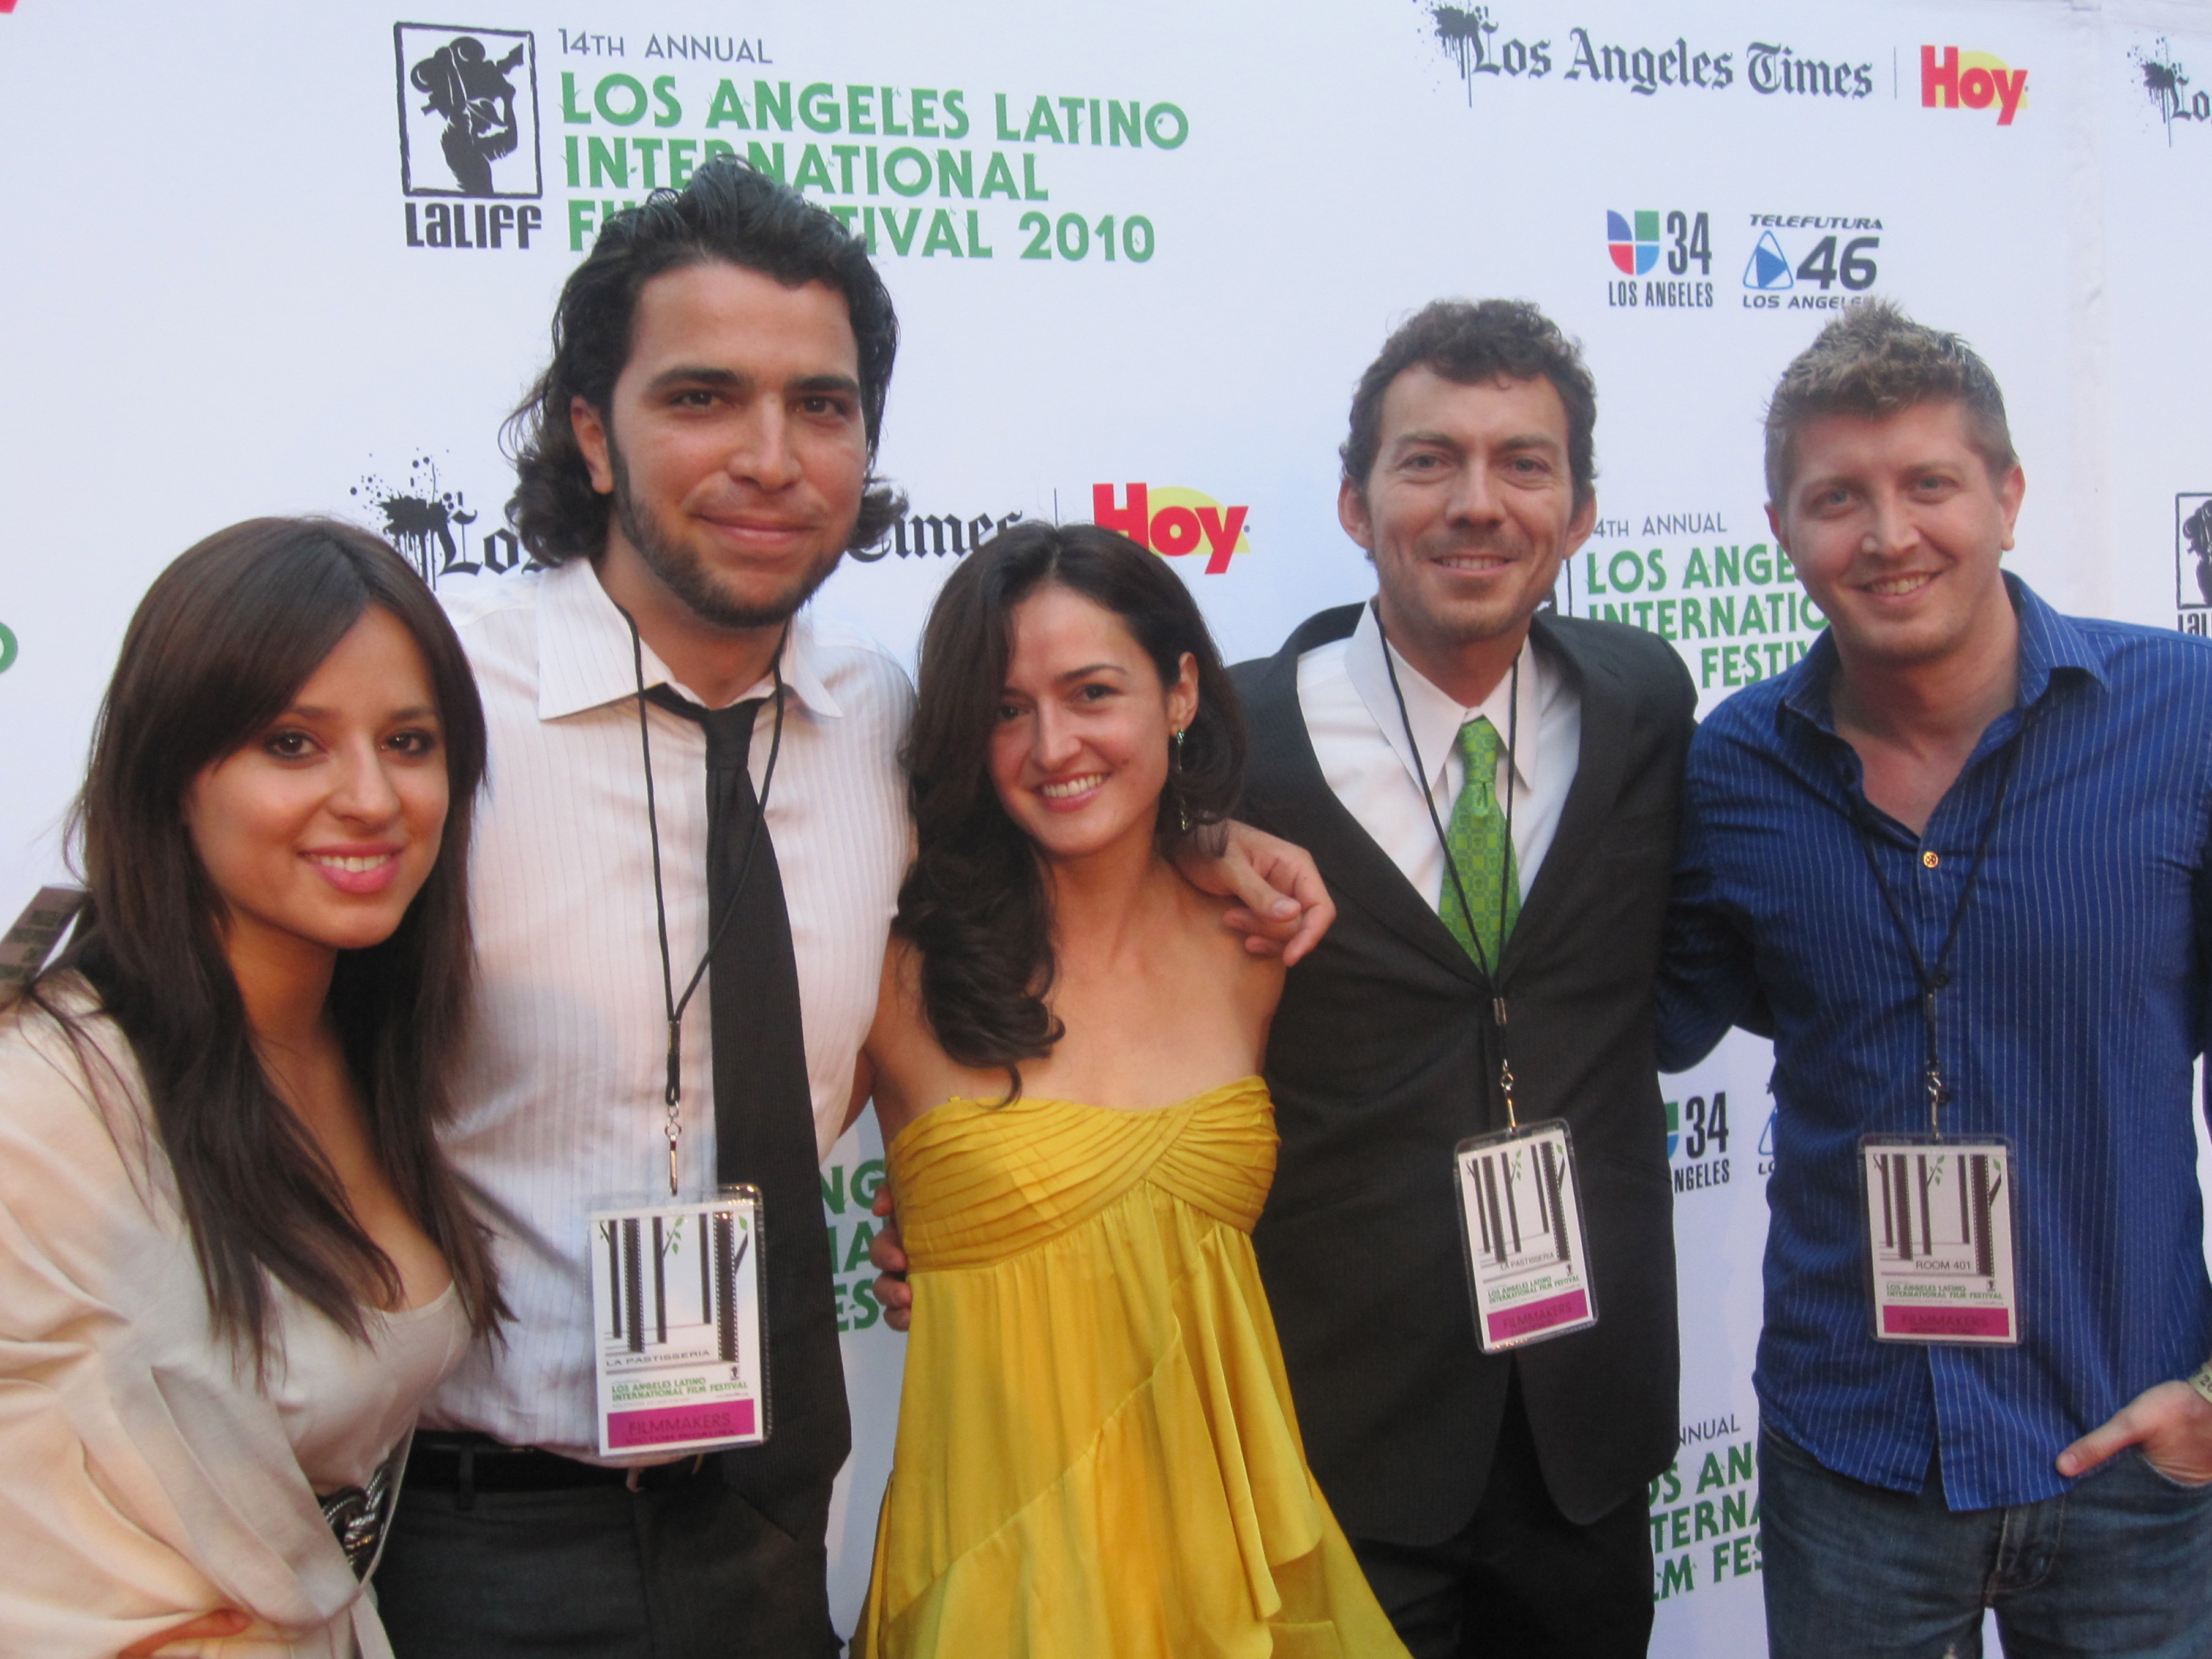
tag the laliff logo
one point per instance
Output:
(2192, 561)
(1951, 79)
(468, 111)
(1173, 521)
(468, 134)
(2166, 83)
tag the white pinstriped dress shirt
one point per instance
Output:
(559, 1100)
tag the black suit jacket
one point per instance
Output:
(1384, 1056)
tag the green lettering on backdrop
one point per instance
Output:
(597, 166)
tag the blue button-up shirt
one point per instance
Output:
(2076, 1007)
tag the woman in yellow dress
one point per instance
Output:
(1097, 1456)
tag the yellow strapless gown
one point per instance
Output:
(1097, 1457)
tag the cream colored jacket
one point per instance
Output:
(143, 1481)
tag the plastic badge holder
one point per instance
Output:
(675, 1299)
(1520, 1227)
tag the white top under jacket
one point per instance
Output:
(145, 1478)
(1343, 692)
(559, 1099)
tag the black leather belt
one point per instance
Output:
(466, 1464)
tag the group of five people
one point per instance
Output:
(303, 1128)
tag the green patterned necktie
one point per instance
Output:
(1481, 849)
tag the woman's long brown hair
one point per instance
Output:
(220, 646)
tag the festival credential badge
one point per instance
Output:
(1521, 1222)
(1940, 1239)
(676, 1314)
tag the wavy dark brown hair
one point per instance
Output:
(727, 213)
(218, 648)
(1470, 341)
(974, 904)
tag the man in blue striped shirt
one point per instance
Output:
(1955, 863)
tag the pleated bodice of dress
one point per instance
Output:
(1097, 1456)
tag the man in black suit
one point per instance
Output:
(1496, 1500)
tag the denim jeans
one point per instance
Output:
(2119, 1567)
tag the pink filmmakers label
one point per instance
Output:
(675, 1302)
(1521, 1216)
(1940, 1239)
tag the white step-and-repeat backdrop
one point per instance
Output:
(272, 257)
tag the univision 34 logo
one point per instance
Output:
(1635, 242)
(1699, 1130)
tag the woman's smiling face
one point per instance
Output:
(1080, 752)
(321, 831)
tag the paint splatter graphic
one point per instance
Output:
(2164, 82)
(1459, 31)
(431, 525)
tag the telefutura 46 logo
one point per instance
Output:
(468, 135)
(1809, 262)
(1172, 521)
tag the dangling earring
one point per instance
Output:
(1182, 811)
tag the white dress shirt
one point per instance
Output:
(1343, 692)
(560, 1103)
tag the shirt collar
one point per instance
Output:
(2049, 645)
(584, 661)
(1435, 715)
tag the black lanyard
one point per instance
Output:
(1933, 979)
(1490, 975)
(675, 1005)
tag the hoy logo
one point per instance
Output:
(1974, 80)
(1171, 521)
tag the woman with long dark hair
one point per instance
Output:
(232, 1258)
(1097, 1455)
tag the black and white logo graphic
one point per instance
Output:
(468, 111)
(2192, 554)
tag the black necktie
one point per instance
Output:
(764, 1132)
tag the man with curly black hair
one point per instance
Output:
(685, 874)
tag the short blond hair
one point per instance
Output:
(1874, 360)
